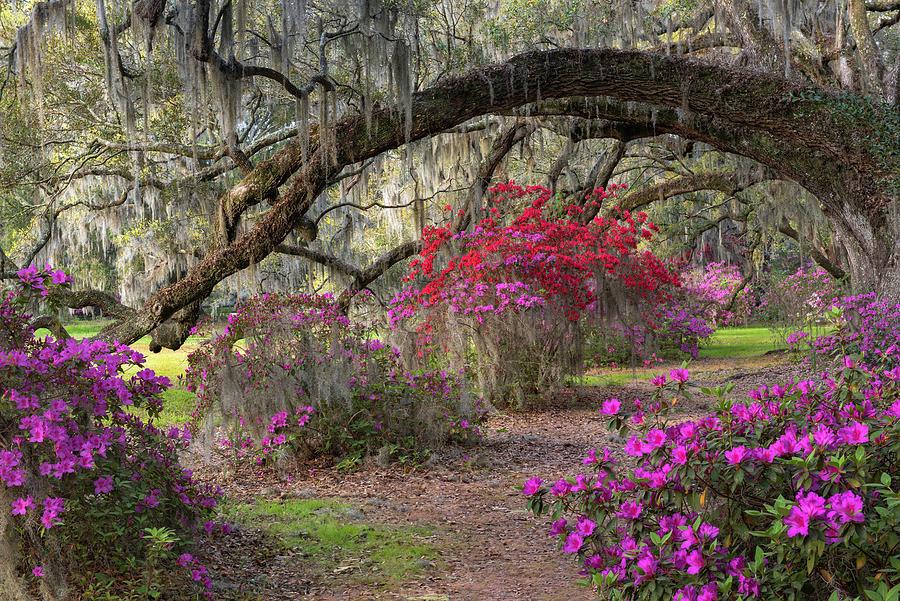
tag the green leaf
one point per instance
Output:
(873, 595)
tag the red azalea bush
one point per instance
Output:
(293, 372)
(514, 300)
(791, 495)
(84, 481)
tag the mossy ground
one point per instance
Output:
(336, 538)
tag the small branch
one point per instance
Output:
(320, 258)
(882, 5)
(729, 182)
(817, 255)
(79, 299)
(50, 322)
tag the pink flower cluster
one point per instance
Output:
(710, 502)
(63, 416)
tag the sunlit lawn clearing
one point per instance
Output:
(750, 344)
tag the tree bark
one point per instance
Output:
(867, 48)
(729, 182)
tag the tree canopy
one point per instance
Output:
(160, 148)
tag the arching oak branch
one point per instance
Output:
(763, 107)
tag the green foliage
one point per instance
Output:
(878, 122)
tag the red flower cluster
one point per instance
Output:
(560, 258)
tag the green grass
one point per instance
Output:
(749, 341)
(333, 536)
(737, 342)
(618, 378)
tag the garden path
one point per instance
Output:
(489, 547)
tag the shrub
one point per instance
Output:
(792, 495)
(515, 300)
(798, 300)
(85, 483)
(293, 372)
(862, 326)
(711, 289)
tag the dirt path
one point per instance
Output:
(490, 547)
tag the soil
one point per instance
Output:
(490, 547)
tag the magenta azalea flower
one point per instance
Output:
(585, 527)
(823, 435)
(634, 446)
(558, 527)
(647, 564)
(709, 592)
(58, 276)
(846, 507)
(560, 488)
(687, 593)
(797, 522)
(894, 411)
(679, 455)
(812, 504)
(736, 455)
(656, 438)
(20, 506)
(630, 510)
(695, 561)
(682, 375)
(610, 407)
(573, 542)
(103, 485)
(687, 430)
(531, 486)
(855, 433)
(708, 531)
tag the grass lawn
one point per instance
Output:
(738, 342)
(749, 341)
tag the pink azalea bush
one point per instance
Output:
(792, 494)
(797, 301)
(685, 319)
(292, 372)
(712, 288)
(862, 326)
(81, 477)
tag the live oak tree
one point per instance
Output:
(213, 134)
